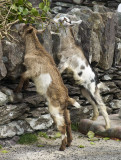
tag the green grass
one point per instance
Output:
(43, 134)
(40, 145)
(28, 138)
(74, 126)
(1, 147)
(4, 151)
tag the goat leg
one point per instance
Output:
(24, 78)
(25, 85)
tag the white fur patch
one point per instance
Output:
(63, 136)
(119, 8)
(87, 74)
(77, 105)
(42, 83)
(57, 116)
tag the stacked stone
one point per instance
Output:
(24, 112)
(63, 5)
(98, 35)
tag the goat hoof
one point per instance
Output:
(107, 127)
(94, 118)
(68, 144)
(62, 148)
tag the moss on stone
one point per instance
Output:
(28, 138)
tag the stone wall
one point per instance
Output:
(99, 37)
(110, 4)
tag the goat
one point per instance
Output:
(73, 61)
(42, 69)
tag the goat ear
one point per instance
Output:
(29, 31)
(40, 31)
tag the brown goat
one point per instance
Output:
(42, 70)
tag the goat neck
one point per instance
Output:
(67, 40)
(32, 43)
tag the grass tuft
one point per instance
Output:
(43, 134)
(1, 147)
(28, 138)
(74, 126)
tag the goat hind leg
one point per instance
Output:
(86, 94)
(68, 128)
(58, 118)
(103, 110)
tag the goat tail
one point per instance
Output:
(73, 102)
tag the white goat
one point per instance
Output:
(72, 60)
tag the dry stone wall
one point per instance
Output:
(100, 38)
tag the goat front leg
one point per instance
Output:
(24, 77)
(25, 85)
(62, 67)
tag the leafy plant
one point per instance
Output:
(20, 11)
(57, 135)
(106, 138)
(91, 137)
(28, 138)
(45, 7)
(90, 134)
(43, 134)
(4, 151)
(92, 143)
(81, 146)
(40, 145)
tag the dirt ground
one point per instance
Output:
(48, 149)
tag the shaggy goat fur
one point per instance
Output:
(40, 67)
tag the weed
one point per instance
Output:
(74, 126)
(0, 147)
(28, 138)
(43, 134)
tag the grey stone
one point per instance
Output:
(14, 128)
(43, 122)
(13, 53)
(115, 104)
(39, 111)
(3, 99)
(3, 70)
(11, 112)
(117, 56)
(108, 98)
(34, 100)
(107, 77)
(108, 40)
(12, 97)
(119, 113)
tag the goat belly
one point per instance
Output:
(42, 83)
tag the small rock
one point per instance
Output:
(3, 99)
(115, 104)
